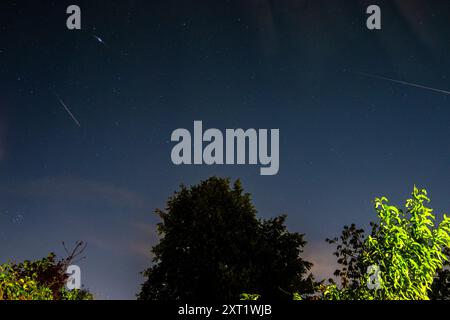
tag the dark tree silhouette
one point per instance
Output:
(213, 247)
(349, 246)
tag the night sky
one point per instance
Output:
(140, 69)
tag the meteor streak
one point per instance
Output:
(68, 110)
(403, 82)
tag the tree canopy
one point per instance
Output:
(213, 247)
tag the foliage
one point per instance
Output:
(348, 248)
(76, 294)
(213, 247)
(15, 287)
(250, 296)
(43, 279)
(407, 248)
(440, 289)
(277, 254)
(297, 296)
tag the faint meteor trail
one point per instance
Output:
(68, 110)
(402, 82)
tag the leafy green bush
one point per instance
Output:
(407, 248)
(43, 279)
(15, 287)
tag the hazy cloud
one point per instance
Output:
(321, 255)
(69, 189)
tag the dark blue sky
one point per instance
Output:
(294, 65)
